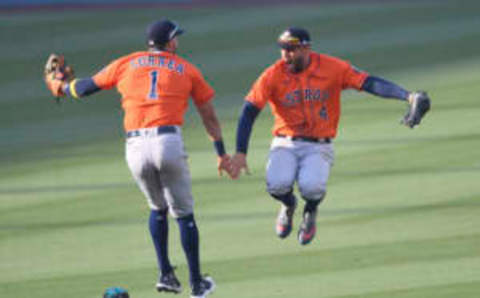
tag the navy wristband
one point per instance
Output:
(81, 87)
(219, 147)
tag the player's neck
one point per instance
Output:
(161, 50)
(301, 66)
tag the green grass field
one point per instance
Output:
(401, 218)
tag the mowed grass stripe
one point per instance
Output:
(351, 258)
(460, 289)
(333, 260)
(225, 21)
(347, 18)
(73, 287)
(360, 281)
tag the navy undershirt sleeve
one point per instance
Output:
(83, 87)
(384, 88)
(245, 123)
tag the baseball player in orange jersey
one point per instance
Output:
(155, 86)
(303, 89)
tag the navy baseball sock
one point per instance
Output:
(190, 242)
(158, 224)
(311, 205)
(287, 199)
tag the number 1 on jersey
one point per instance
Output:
(153, 95)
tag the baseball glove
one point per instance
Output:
(56, 73)
(419, 106)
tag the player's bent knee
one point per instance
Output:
(186, 217)
(278, 188)
(180, 212)
(313, 193)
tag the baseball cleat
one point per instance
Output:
(203, 288)
(308, 228)
(283, 226)
(169, 283)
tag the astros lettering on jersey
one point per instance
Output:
(306, 103)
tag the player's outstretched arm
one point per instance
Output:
(214, 131)
(383, 88)
(419, 102)
(244, 129)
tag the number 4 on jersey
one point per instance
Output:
(323, 113)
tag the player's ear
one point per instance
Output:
(171, 45)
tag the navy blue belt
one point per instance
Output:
(160, 130)
(307, 139)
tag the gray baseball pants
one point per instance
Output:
(158, 163)
(306, 163)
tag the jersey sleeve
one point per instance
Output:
(353, 77)
(107, 78)
(201, 90)
(260, 92)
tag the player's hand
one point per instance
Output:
(56, 74)
(224, 163)
(55, 86)
(239, 164)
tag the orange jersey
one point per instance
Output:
(307, 103)
(155, 87)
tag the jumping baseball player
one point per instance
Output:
(303, 89)
(155, 86)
